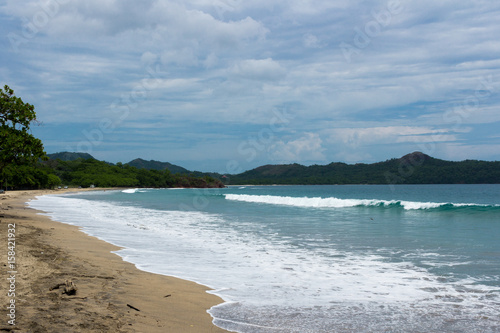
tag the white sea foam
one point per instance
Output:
(270, 285)
(332, 202)
(131, 190)
(137, 190)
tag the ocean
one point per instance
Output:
(348, 258)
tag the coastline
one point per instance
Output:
(109, 293)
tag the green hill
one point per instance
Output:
(83, 170)
(139, 163)
(90, 172)
(415, 168)
(67, 156)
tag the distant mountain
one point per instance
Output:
(67, 156)
(139, 163)
(414, 168)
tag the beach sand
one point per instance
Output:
(48, 253)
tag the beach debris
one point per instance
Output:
(167, 295)
(57, 286)
(133, 307)
(69, 287)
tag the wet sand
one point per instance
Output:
(112, 295)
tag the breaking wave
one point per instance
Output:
(333, 202)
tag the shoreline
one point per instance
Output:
(112, 295)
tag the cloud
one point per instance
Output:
(461, 151)
(263, 69)
(311, 41)
(149, 58)
(429, 74)
(356, 137)
(306, 148)
(132, 25)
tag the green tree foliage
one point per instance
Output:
(53, 181)
(101, 174)
(18, 147)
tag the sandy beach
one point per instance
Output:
(41, 260)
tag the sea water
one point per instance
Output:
(416, 258)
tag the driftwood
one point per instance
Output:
(133, 307)
(57, 286)
(78, 297)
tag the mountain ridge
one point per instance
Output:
(140, 163)
(70, 156)
(412, 168)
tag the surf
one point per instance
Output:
(333, 202)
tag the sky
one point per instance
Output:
(229, 85)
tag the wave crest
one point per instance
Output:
(332, 202)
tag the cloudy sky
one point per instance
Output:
(228, 85)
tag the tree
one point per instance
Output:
(17, 145)
(53, 181)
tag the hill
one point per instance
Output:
(83, 170)
(88, 172)
(414, 168)
(101, 174)
(139, 163)
(67, 156)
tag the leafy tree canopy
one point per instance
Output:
(17, 145)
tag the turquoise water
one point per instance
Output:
(416, 258)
